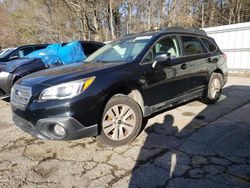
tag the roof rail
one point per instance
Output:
(184, 29)
(148, 31)
(173, 29)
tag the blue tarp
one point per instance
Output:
(56, 53)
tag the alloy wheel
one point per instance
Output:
(119, 122)
(215, 87)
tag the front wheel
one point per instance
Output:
(214, 89)
(121, 121)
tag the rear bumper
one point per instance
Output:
(43, 129)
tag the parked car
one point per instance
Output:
(38, 60)
(15, 53)
(5, 50)
(119, 85)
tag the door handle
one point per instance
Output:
(184, 66)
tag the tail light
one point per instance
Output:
(224, 56)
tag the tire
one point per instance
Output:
(1, 93)
(121, 121)
(214, 89)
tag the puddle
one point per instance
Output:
(188, 114)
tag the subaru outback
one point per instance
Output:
(109, 94)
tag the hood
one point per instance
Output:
(66, 73)
(12, 66)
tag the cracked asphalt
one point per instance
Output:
(193, 145)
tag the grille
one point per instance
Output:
(20, 96)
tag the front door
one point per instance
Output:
(168, 80)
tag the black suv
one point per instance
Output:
(118, 85)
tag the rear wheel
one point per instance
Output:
(1, 93)
(214, 89)
(121, 121)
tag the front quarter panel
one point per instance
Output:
(104, 87)
(86, 107)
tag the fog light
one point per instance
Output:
(59, 130)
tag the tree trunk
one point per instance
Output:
(163, 8)
(211, 20)
(111, 19)
(149, 15)
(129, 23)
(239, 10)
(202, 15)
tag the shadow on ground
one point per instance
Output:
(213, 150)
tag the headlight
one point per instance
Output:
(66, 90)
(4, 74)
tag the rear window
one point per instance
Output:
(99, 45)
(204, 49)
(191, 45)
(88, 48)
(210, 45)
(39, 47)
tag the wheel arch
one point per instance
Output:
(131, 91)
(127, 90)
(218, 71)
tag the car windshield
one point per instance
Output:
(124, 50)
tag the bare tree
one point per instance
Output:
(43, 21)
(111, 19)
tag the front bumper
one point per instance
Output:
(43, 129)
(6, 81)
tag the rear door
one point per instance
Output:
(169, 80)
(196, 59)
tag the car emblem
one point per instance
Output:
(19, 93)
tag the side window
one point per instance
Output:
(39, 47)
(99, 45)
(88, 48)
(167, 45)
(22, 52)
(210, 45)
(191, 45)
(204, 49)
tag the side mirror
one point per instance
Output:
(160, 58)
(14, 57)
